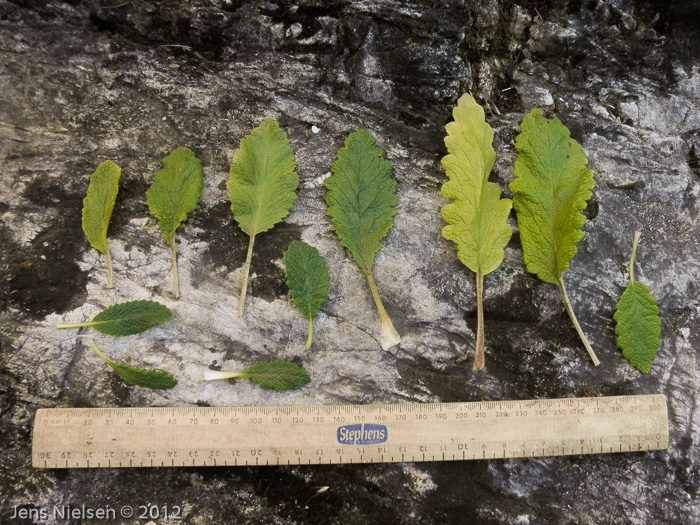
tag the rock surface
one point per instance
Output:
(83, 82)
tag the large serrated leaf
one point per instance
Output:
(477, 217)
(307, 279)
(98, 206)
(638, 325)
(361, 200)
(551, 188)
(154, 379)
(128, 318)
(174, 193)
(261, 186)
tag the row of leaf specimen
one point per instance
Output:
(551, 188)
(174, 193)
(135, 317)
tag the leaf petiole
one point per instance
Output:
(388, 335)
(309, 339)
(211, 375)
(246, 271)
(74, 325)
(110, 273)
(479, 358)
(572, 315)
(637, 235)
(173, 255)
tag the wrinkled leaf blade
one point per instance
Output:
(278, 375)
(307, 277)
(99, 203)
(638, 326)
(262, 181)
(361, 197)
(154, 379)
(175, 191)
(131, 318)
(476, 216)
(552, 186)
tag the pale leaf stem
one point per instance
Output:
(311, 334)
(110, 274)
(479, 359)
(173, 255)
(246, 271)
(389, 335)
(572, 315)
(73, 325)
(211, 375)
(637, 235)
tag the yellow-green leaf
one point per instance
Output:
(98, 206)
(477, 217)
(261, 186)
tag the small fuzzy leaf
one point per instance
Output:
(552, 186)
(476, 216)
(361, 197)
(154, 379)
(175, 190)
(307, 277)
(638, 326)
(262, 181)
(99, 203)
(278, 375)
(126, 318)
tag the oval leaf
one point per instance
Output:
(307, 277)
(278, 375)
(154, 379)
(99, 203)
(638, 326)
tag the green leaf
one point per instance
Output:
(174, 193)
(477, 218)
(154, 379)
(98, 206)
(307, 279)
(638, 325)
(551, 188)
(261, 186)
(126, 318)
(277, 375)
(175, 190)
(361, 201)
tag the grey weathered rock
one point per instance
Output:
(82, 82)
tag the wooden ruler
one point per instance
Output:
(308, 435)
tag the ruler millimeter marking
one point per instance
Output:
(304, 435)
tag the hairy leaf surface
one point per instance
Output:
(552, 186)
(307, 279)
(175, 190)
(99, 203)
(477, 217)
(638, 325)
(277, 375)
(128, 318)
(154, 379)
(361, 200)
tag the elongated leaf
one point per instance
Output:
(127, 318)
(638, 325)
(552, 186)
(97, 209)
(154, 379)
(361, 200)
(175, 190)
(476, 216)
(99, 203)
(307, 279)
(174, 193)
(261, 186)
(277, 375)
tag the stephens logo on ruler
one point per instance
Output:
(362, 434)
